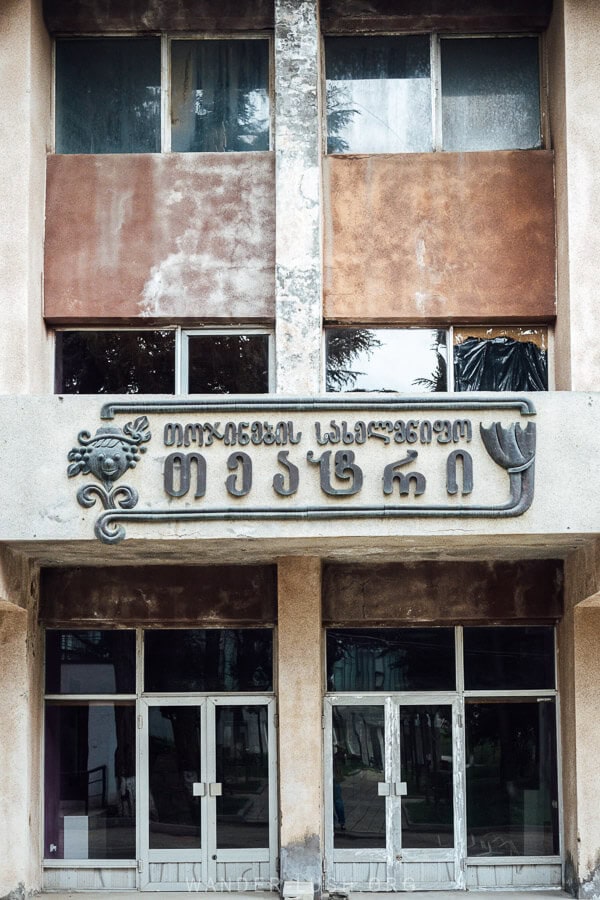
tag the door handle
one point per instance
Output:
(198, 789)
(400, 789)
(384, 789)
(215, 789)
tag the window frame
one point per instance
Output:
(436, 84)
(182, 335)
(449, 329)
(166, 38)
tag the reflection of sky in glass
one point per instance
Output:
(404, 356)
(385, 115)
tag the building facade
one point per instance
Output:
(299, 574)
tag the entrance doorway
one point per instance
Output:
(208, 809)
(396, 793)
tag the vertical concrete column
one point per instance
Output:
(20, 738)
(300, 698)
(25, 116)
(298, 197)
(574, 73)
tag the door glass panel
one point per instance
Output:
(390, 659)
(426, 758)
(512, 794)
(242, 765)
(358, 767)
(173, 768)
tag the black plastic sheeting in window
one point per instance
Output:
(499, 364)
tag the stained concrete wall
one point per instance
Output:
(300, 692)
(179, 236)
(20, 735)
(25, 75)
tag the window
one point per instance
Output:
(109, 95)
(165, 361)
(415, 93)
(429, 360)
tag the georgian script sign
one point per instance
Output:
(322, 458)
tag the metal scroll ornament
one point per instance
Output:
(108, 455)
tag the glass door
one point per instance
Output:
(209, 814)
(395, 776)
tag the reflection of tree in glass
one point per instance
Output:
(339, 116)
(438, 381)
(344, 345)
(229, 364)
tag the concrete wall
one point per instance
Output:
(25, 75)
(440, 236)
(20, 735)
(182, 236)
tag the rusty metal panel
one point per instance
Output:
(436, 15)
(100, 16)
(146, 595)
(180, 236)
(440, 236)
(448, 592)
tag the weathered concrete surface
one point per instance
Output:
(20, 714)
(25, 76)
(574, 67)
(448, 591)
(298, 192)
(179, 236)
(462, 16)
(300, 692)
(439, 236)
(210, 16)
(201, 596)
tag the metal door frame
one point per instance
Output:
(208, 855)
(393, 855)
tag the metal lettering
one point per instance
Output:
(233, 463)
(292, 473)
(392, 476)
(178, 466)
(467, 472)
(345, 469)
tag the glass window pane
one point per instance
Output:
(501, 359)
(173, 768)
(390, 659)
(512, 794)
(90, 662)
(490, 94)
(511, 658)
(90, 785)
(412, 360)
(378, 94)
(220, 95)
(228, 364)
(358, 767)
(242, 754)
(426, 761)
(115, 362)
(108, 95)
(211, 659)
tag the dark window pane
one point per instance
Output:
(390, 659)
(108, 95)
(386, 359)
(228, 364)
(512, 794)
(500, 359)
(90, 785)
(90, 662)
(220, 95)
(426, 759)
(510, 658)
(173, 768)
(115, 362)
(378, 94)
(242, 754)
(211, 659)
(358, 767)
(490, 94)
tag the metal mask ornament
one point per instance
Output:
(108, 455)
